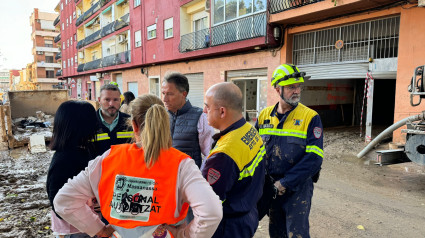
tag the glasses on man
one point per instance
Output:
(294, 87)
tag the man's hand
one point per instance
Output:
(106, 231)
(279, 187)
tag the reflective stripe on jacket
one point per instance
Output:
(294, 144)
(132, 195)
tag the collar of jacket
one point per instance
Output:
(274, 111)
(186, 107)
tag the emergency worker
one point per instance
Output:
(113, 128)
(159, 181)
(292, 134)
(235, 166)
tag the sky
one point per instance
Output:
(15, 31)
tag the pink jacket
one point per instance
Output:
(70, 202)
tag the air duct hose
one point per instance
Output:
(389, 130)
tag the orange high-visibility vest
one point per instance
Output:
(132, 195)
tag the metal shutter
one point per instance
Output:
(196, 89)
(247, 73)
(336, 71)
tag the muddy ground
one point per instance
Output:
(354, 198)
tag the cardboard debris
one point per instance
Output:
(37, 144)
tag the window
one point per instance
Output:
(151, 31)
(70, 41)
(67, 22)
(154, 86)
(226, 10)
(48, 43)
(67, 43)
(69, 64)
(50, 73)
(200, 24)
(75, 37)
(61, 6)
(74, 15)
(93, 56)
(70, 19)
(66, 2)
(72, 62)
(75, 59)
(63, 45)
(63, 26)
(168, 28)
(49, 59)
(138, 38)
(136, 3)
(64, 64)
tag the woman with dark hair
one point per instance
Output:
(74, 130)
(125, 105)
(144, 189)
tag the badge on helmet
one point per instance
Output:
(287, 74)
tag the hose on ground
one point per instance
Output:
(389, 130)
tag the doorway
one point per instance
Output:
(254, 96)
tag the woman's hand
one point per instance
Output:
(106, 231)
(177, 232)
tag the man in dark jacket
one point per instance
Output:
(235, 168)
(113, 128)
(189, 126)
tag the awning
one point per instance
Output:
(107, 10)
(119, 2)
(91, 22)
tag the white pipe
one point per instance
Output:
(389, 130)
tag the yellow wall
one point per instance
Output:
(121, 10)
(88, 52)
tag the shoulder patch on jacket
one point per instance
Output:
(317, 131)
(213, 176)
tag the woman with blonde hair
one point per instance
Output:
(144, 189)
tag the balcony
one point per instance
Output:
(240, 29)
(195, 40)
(104, 2)
(76, 1)
(91, 38)
(92, 10)
(123, 57)
(277, 6)
(122, 22)
(57, 20)
(80, 68)
(95, 64)
(111, 60)
(58, 56)
(80, 44)
(57, 38)
(59, 73)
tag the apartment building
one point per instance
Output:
(4, 80)
(345, 45)
(135, 43)
(41, 73)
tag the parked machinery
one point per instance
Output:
(414, 149)
(415, 132)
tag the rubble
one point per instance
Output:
(25, 127)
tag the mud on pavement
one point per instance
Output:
(25, 209)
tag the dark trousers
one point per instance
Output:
(289, 213)
(238, 227)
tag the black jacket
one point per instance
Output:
(121, 134)
(65, 165)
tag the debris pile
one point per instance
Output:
(24, 128)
